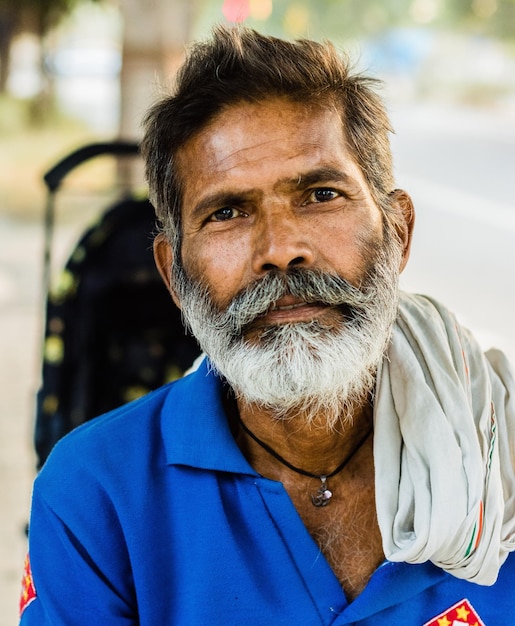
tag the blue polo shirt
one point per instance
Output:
(150, 515)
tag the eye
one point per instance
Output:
(224, 214)
(322, 194)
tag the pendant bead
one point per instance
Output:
(323, 495)
(322, 499)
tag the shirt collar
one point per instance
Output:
(195, 427)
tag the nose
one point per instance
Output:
(280, 244)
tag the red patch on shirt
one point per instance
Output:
(461, 614)
(28, 591)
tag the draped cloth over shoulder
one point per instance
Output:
(444, 446)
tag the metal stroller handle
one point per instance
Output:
(55, 175)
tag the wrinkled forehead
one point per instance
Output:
(259, 144)
(267, 108)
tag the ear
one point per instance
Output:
(404, 223)
(163, 256)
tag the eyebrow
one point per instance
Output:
(319, 175)
(301, 181)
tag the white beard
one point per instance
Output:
(303, 368)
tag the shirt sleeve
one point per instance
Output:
(79, 571)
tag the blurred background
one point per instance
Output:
(73, 72)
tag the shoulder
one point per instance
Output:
(115, 429)
(110, 449)
(129, 441)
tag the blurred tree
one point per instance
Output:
(35, 16)
(155, 33)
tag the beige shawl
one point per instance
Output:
(444, 446)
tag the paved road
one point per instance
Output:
(459, 168)
(20, 246)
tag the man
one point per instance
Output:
(344, 453)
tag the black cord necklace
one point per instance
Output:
(323, 495)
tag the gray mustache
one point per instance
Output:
(308, 285)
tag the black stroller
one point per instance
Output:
(112, 332)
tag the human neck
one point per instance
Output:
(346, 531)
(310, 445)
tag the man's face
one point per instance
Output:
(273, 185)
(289, 277)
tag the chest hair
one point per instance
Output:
(346, 530)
